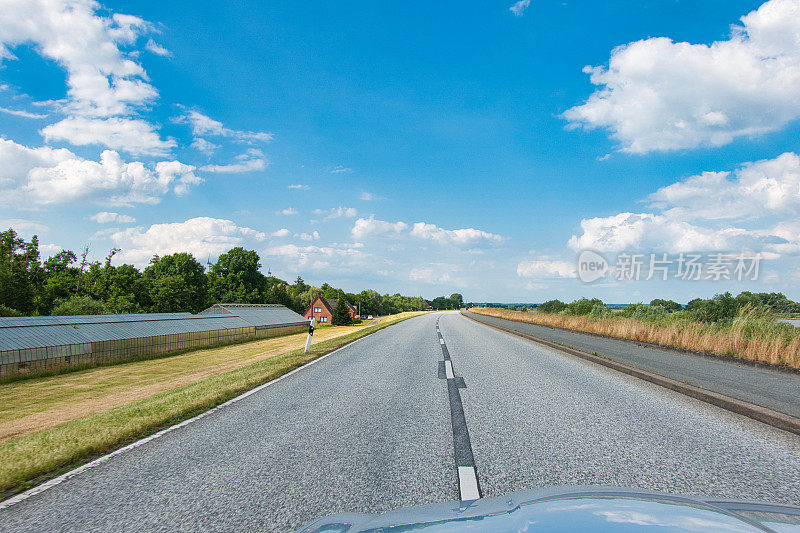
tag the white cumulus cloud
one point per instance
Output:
(545, 269)
(203, 237)
(758, 189)
(337, 212)
(51, 176)
(326, 259)
(429, 275)
(432, 232)
(314, 236)
(104, 217)
(204, 125)
(659, 95)
(648, 231)
(204, 145)
(156, 48)
(249, 161)
(102, 80)
(134, 136)
(366, 227)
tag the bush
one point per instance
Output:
(552, 306)
(600, 310)
(7, 311)
(644, 312)
(79, 305)
(584, 306)
(721, 307)
(668, 305)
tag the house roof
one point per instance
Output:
(259, 315)
(330, 304)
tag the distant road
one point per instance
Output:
(369, 428)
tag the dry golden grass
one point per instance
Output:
(747, 338)
(121, 403)
(38, 403)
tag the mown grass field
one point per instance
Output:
(53, 423)
(749, 336)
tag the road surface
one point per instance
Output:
(370, 428)
(772, 388)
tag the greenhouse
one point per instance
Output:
(49, 342)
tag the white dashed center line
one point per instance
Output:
(468, 483)
(448, 369)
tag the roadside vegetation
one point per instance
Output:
(71, 284)
(50, 424)
(742, 326)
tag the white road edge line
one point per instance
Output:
(448, 369)
(468, 483)
(100, 460)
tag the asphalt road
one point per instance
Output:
(369, 429)
(778, 390)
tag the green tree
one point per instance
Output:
(176, 282)
(79, 305)
(720, 307)
(440, 302)
(235, 278)
(669, 305)
(127, 290)
(552, 306)
(60, 278)
(584, 306)
(7, 311)
(341, 314)
(20, 272)
(300, 286)
(457, 300)
(331, 294)
(278, 292)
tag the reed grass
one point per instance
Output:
(751, 336)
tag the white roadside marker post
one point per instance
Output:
(310, 334)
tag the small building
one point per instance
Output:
(322, 310)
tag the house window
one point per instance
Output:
(323, 319)
(317, 309)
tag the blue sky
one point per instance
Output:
(421, 147)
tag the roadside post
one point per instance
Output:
(310, 334)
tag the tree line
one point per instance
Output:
(720, 308)
(68, 283)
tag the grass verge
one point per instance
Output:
(750, 336)
(31, 459)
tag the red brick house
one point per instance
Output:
(322, 310)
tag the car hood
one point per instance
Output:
(609, 509)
